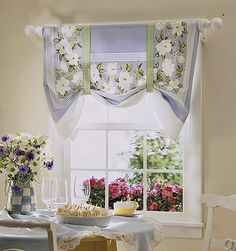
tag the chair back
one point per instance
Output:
(213, 201)
(48, 226)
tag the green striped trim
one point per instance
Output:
(86, 64)
(150, 57)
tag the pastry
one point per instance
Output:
(82, 210)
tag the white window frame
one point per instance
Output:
(189, 223)
(108, 127)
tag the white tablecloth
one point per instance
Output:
(133, 233)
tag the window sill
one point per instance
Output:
(182, 229)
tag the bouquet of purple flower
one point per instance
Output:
(22, 157)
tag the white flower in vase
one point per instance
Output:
(11, 169)
(21, 160)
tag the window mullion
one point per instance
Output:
(106, 173)
(145, 171)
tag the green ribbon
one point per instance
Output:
(86, 64)
(150, 57)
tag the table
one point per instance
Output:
(134, 233)
(96, 243)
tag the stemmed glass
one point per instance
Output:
(47, 195)
(82, 190)
(59, 193)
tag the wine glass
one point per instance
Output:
(82, 190)
(47, 195)
(59, 193)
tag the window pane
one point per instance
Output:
(88, 149)
(163, 153)
(137, 153)
(125, 150)
(125, 185)
(97, 183)
(165, 192)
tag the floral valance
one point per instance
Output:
(118, 63)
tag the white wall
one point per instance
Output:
(23, 106)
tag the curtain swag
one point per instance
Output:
(120, 64)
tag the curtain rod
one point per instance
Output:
(215, 23)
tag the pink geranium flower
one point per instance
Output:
(153, 206)
(178, 189)
(167, 191)
(158, 185)
(94, 182)
(115, 192)
(138, 190)
(173, 201)
(86, 182)
(102, 182)
(125, 190)
(153, 192)
(114, 189)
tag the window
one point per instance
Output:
(142, 165)
(124, 153)
(125, 156)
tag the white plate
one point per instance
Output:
(99, 221)
(128, 215)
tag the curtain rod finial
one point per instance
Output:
(216, 23)
(33, 31)
(29, 30)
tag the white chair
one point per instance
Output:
(48, 226)
(213, 201)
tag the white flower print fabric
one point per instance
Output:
(170, 56)
(120, 77)
(113, 63)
